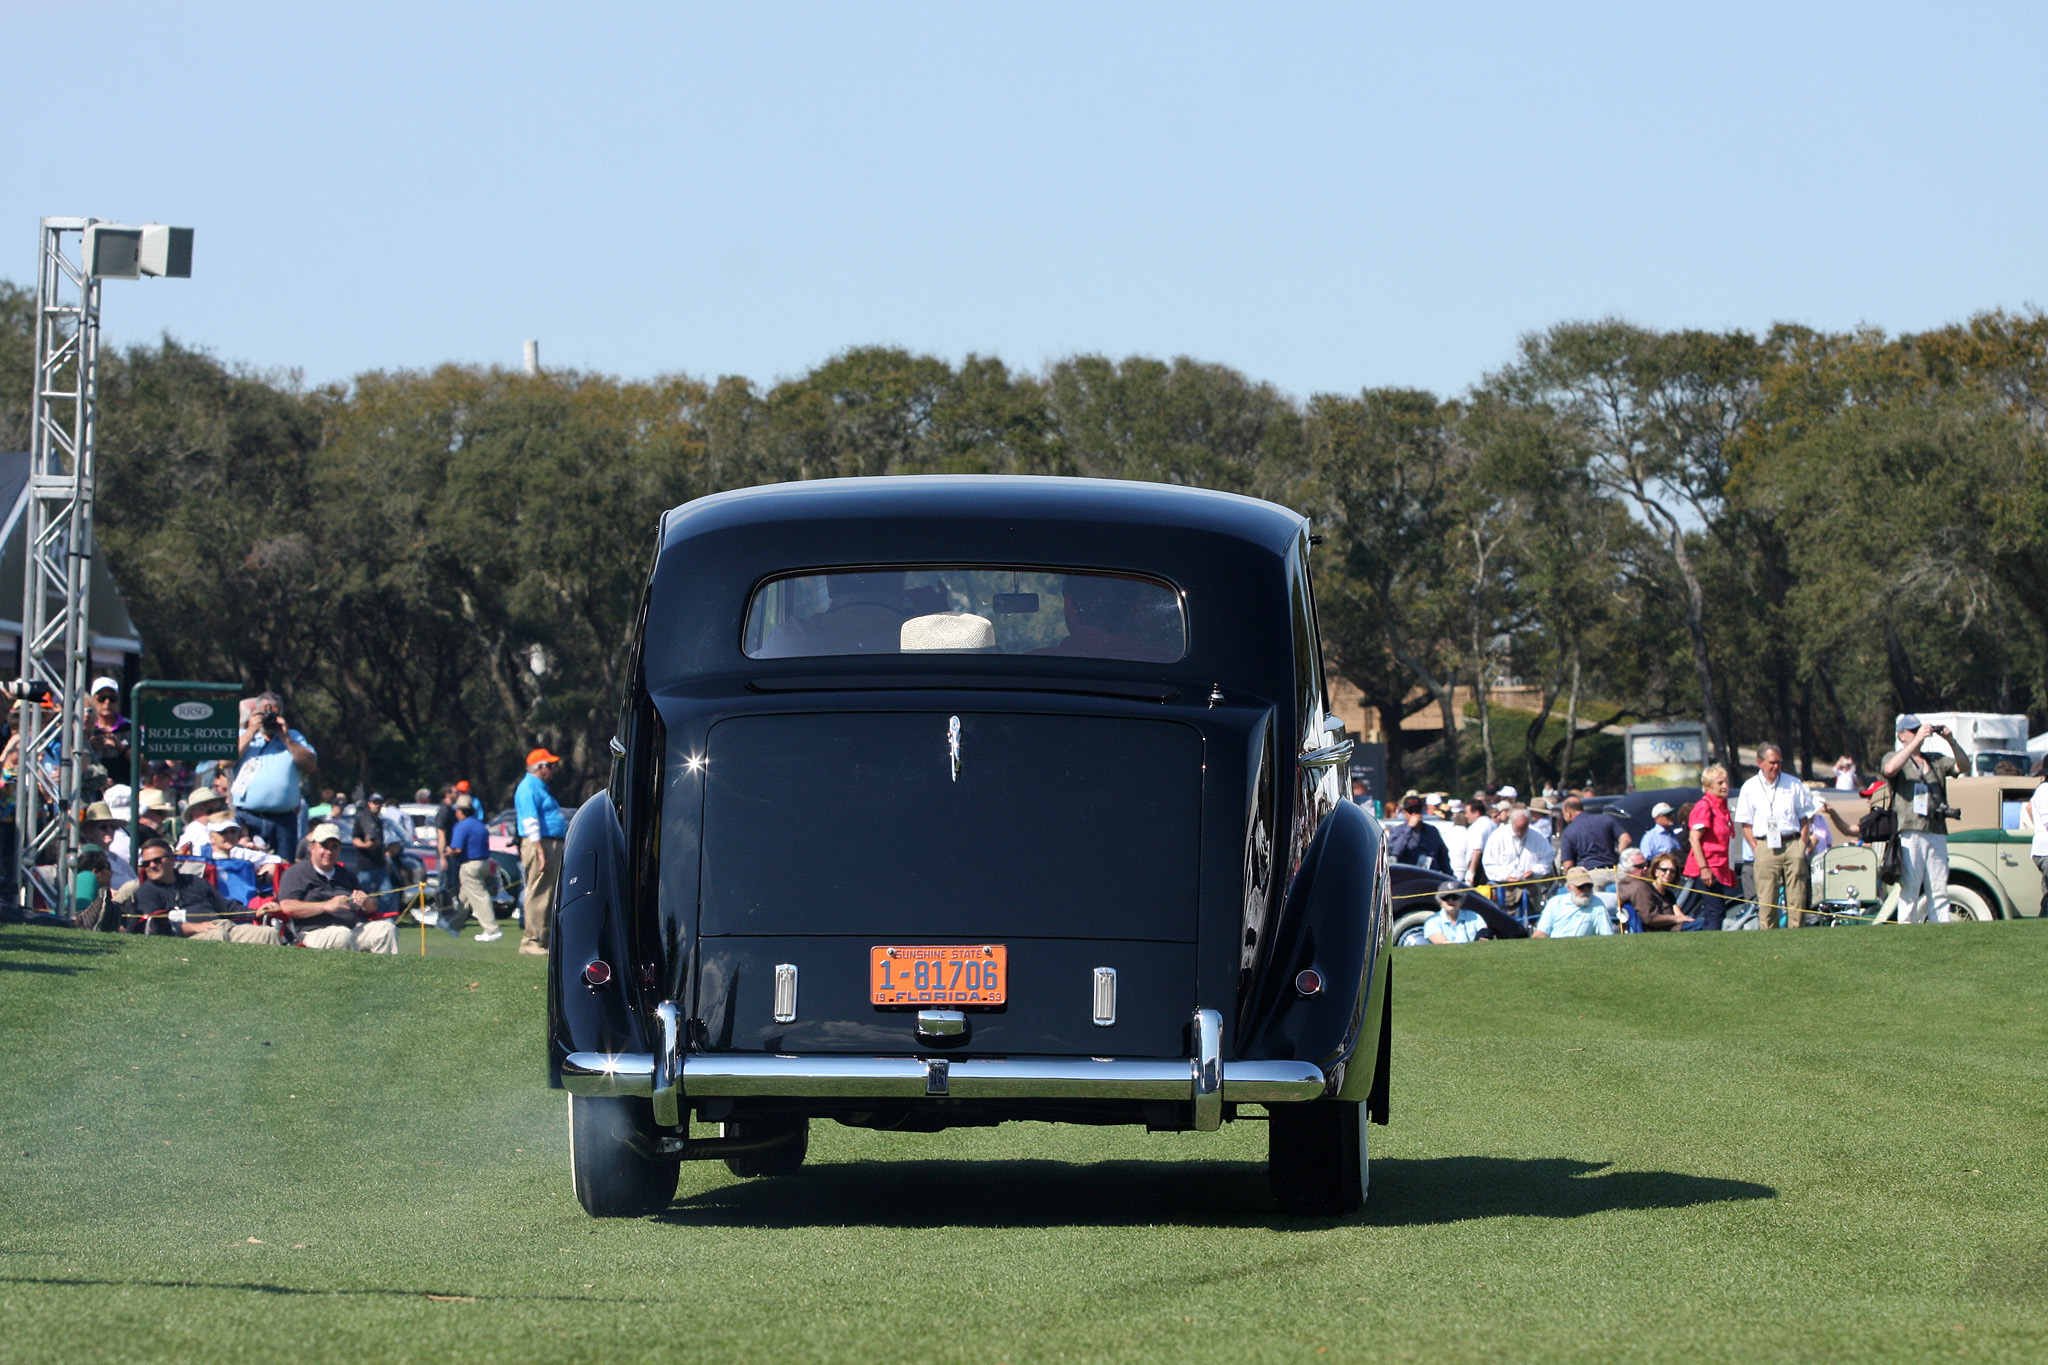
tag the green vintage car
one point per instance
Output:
(1991, 874)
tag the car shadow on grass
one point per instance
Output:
(1405, 1193)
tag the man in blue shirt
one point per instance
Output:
(1416, 842)
(1452, 922)
(1662, 836)
(542, 827)
(472, 841)
(1590, 839)
(266, 788)
(1575, 912)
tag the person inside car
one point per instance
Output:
(863, 615)
(1452, 922)
(1117, 618)
(1575, 912)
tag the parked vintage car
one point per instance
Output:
(1991, 873)
(943, 801)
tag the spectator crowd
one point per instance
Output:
(247, 850)
(1733, 857)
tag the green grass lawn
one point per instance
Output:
(1813, 1146)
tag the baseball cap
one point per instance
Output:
(225, 823)
(375, 796)
(1578, 876)
(1906, 721)
(1454, 805)
(540, 756)
(1412, 806)
(1873, 789)
(1661, 808)
(463, 785)
(322, 833)
(1453, 887)
(104, 684)
(1508, 793)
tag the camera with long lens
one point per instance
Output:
(1940, 808)
(272, 721)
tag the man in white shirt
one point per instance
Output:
(1515, 853)
(1476, 834)
(1775, 811)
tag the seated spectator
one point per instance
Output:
(1416, 842)
(172, 897)
(201, 806)
(153, 811)
(1452, 922)
(1515, 856)
(101, 826)
(1648, 889)
(1575, 912)
(320, 897)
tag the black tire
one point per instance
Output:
(609, 1137)
(781, 1159)
(1316, 1159)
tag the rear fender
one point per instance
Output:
(590, 925)
(1336, 921)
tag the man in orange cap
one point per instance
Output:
(542, 827)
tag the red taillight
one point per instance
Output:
(1309, 982)
(598, 972)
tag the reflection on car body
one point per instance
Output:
(1062, 745)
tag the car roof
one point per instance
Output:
(1230, 554)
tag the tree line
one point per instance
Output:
(1789, 536)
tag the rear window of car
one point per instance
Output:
(976, 609)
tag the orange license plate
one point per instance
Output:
(945, 974)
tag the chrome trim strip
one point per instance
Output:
(716, 1075)
(666, 1084)
(1208, 1071)
(1327, 757)
(785, 993)
(941, 1024)
(608, 1073)
(1272, 1082)
(1105, 996)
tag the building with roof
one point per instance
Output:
(116, 644)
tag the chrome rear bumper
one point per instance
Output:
(1204, 1079)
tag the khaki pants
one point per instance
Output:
(378, 936)
(475, 889)
(540, 886)
(221, 931)
(1786, 868)
(1923, 877)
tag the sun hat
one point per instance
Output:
(153, 798)
(100, 813)
(202, 796)
(1578, 876)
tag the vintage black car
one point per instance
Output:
(940, 801)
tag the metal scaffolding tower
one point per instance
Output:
(56, 644)
(56, 652)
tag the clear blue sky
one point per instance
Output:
(1327, 197)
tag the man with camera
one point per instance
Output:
(1919, 797)
(266, 788)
